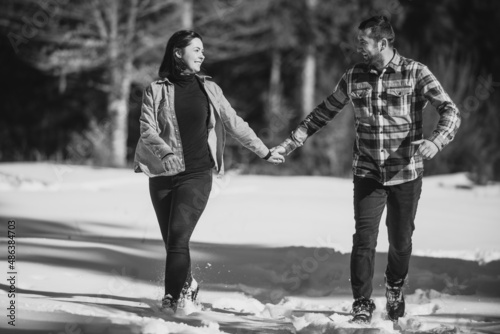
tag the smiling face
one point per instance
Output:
(192, 56)
(369, 49)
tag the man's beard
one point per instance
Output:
(376, 60)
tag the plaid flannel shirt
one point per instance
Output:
(388, 108)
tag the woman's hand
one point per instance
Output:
(171, 163)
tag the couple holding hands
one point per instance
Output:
(185, 117)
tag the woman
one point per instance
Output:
(183, 122)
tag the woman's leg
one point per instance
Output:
(189, 199)
(161, 192)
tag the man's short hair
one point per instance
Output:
(380, 27)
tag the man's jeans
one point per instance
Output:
(370, 199)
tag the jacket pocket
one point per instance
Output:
(399, 100)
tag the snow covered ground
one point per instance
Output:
(90, 258)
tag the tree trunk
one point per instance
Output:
(277, 118)
(309, 67)
(274, 100)
(187, 14)
(308, 80)
(120, 78)
(118, 112)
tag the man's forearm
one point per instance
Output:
(448, 125)
(314, 122)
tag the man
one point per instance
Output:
(389, 93)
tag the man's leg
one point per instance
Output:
(402, 204)
(369, 201)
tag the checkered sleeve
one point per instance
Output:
(319, 117)
(449, 120)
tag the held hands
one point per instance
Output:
(426, 149)
(171, 163)
(277, 155)
(278, 149)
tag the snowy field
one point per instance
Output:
(271, 253)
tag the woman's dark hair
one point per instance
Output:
(380, 27)
(172, 66)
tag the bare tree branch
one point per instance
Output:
(131, 22)
(99, 20)
(156, 7)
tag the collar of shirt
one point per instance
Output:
(393, 66)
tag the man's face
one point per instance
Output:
(369, 48)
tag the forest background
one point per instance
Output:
(73, 73)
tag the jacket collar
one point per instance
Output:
(201, 77)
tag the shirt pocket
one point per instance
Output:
(399, 100)
(361, 98)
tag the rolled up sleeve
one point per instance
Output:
(449, 115)
(319, 117)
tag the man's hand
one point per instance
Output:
(171, 163)
(427, 149)
(277, 154)
(278, 149)
(276, 158)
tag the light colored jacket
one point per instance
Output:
(160, 130)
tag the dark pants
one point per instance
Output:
(370, 199)
(179, 201)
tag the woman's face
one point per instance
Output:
(192, 55)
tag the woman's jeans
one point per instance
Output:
(179, 201)
(370, 199)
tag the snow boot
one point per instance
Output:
(362, 310)
(168, 304)
(395, 299)
(189, 292)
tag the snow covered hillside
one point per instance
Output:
(271, 254)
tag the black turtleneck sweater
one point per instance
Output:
(192, 111)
